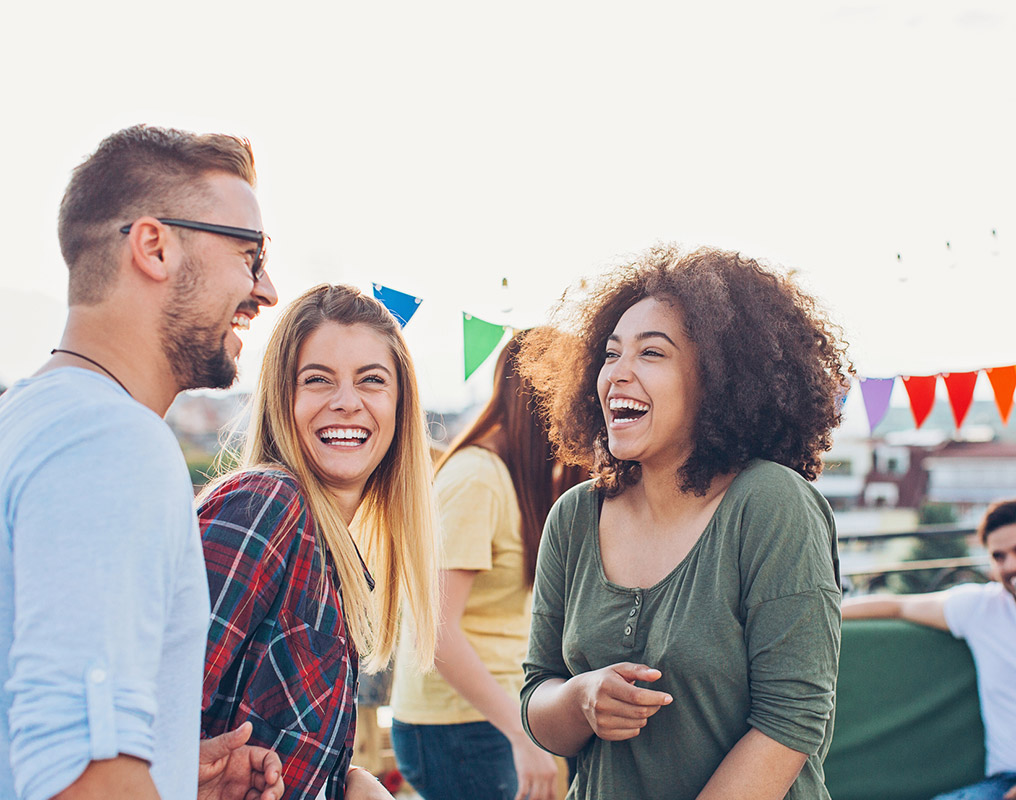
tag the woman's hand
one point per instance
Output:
(362, 785)
(536, 770)
(615, 708)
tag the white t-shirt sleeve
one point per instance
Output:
(100, 530)
(962, 604)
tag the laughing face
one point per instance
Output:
(214, 294)
(1001, 546)
(345, 406)
(648, 386)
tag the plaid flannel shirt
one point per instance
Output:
(277, 654)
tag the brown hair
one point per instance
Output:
(138, 171)
(526, 450)
(998, 515)
(395, 521)
(772, 369)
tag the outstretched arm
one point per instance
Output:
(922, 609)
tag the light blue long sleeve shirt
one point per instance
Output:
(103, 594)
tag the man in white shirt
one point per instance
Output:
(984, 615)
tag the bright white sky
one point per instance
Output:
(438, 147)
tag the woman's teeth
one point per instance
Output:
(624, 402)
(624, 410)
(346, 437)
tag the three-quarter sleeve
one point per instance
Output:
(791, 597)
(545, 658)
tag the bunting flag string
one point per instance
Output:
(402, 306)
(921, 394)
(479, 338)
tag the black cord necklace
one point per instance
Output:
(56, 350)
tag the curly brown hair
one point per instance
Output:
(773, 369)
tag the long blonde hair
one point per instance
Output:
(395, 523)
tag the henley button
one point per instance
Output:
(627, 630)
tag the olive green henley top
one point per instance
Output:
(745, 630)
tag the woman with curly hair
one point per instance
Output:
(336, 463)
(686, 607)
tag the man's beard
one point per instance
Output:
(195, 349)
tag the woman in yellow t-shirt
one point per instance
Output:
(457, 731)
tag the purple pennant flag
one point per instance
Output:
(876, 393)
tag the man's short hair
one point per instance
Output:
(138, 171)
(998, 515)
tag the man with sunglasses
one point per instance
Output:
(103, 592)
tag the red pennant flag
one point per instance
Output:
(1003, 382)
(921, 391)
(960, 386)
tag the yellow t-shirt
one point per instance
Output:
(481, 529)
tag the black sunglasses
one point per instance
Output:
(257, 267)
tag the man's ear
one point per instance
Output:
(151, 247)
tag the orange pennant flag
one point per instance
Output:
(1003, 382)
(921, 391)
(960, 386)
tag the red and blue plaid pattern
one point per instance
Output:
(277, 648)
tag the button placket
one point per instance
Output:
(631, 621)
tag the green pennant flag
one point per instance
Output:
(479, 338)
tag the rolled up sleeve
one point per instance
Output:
(791, 606)
(545, 659)
(793, 648)
(94, 554)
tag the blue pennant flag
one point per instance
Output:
(402, 306)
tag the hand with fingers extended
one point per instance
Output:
(615, 708)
